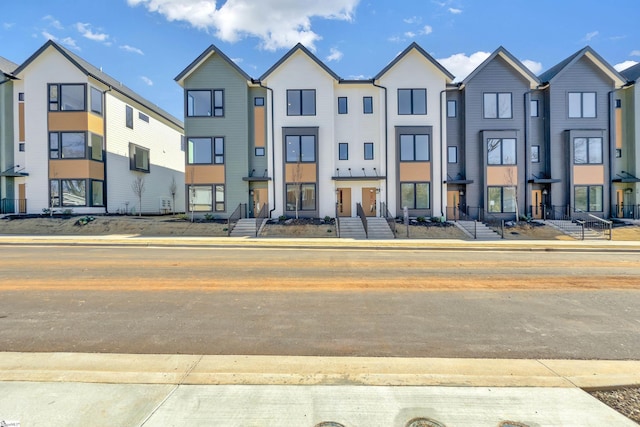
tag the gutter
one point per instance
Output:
(273, 144)
(386, 147)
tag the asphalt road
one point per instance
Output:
(259, 301)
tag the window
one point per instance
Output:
(218, 103)
(342, 105)
(343, 151)
(259, 151)
(201, 198)
(582, 104)
(96, 101)
(97, 193)
(21, 146)
(452, 154)
(138, 158)
(200, 151)
(452, 109)
(199, 103)
(497, 106)
(535, 154)
(258, 102)
(587, 151)
(301, 102)
(412, 101)
(414, 195)
(301, 148)
(618, 103)
(501, 151)
(220, 198)
(97, 145)
(182, 143)
(143, 117)
(306, 197)
(67, 145)
(54, 193)
(618, 152)
(67, 97)
(367, 105)
(588, 198)
(20, 96)
(218, 151)
(501, 199)
(68, 192)
(414, 148)
(533, 106)
(368, 150)
(129, 117)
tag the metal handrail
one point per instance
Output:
(627, 211)
(363, 218)
(337, 220)
(495, 223)
(600, 226)
(262, 216)
(384, 211)
(234, 218)
(10, 206)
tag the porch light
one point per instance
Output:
(545, 192)
(462, 192)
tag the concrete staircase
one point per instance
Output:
(245, 227)
(378, 228)
(482, 232)
(351, 228)
(574, 230)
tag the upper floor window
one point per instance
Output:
(67, 145)
(138, 158)
(67, 97)
(97, 146)
(342, 105)
(414, 148)
(129, 117)
(343, 151)
(206, 151)
(412, 101)
(96, 101)
(587, 151)
(452, 110)
(301, 102)
(368, 150)
(367, 105)
(535, 154)
(452, 154)
(258, 102)
(205, 103)
(582, 104)
(497, 106)
(143, 117)
(501, 151)
(301, 148)
(533, 106)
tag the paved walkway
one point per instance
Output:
(76, 389)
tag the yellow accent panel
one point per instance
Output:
(96, 170)
(75, 169)
(588, 174)
(502, 175)
(307, 172)
(259, 126)
(415, 171)
(21, 122)
(68, 121)
(96, 124)
(618, 127)
(204, 174)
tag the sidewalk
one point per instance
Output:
(73, 389)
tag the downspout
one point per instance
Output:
(443, 112)
(527, 150)
(612, 142)
(104, 162)
(386, 147)
(273, 143)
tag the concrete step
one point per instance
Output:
(481, 231)
(351, 228)
(378, 228)
(574, 230)
(245, 227)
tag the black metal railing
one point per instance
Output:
(453, 213)
(600, 226)
(337, 219)
(384, 212)
(493, 222)
(262, 217)
(625, 211)
(363, 218)
(237, 215)
(13, 206)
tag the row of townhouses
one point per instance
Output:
(301, 141)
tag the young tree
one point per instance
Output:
(173, 188)
(137, 186)
(296, 177)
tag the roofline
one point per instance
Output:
(212, 49)
(293, 50)
(356, 81)
(51, 43)
(524, 71)
(615, 75)
(423, 52)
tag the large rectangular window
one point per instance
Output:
(415, 195)
(200, 198)
(342, 105)
(205, 103)
(139, 158)
(301, 102)
(368, 150)
(306, 197)
(588, 198)
(97, 193)
(367, 105)
(301, 148)
(414, 148)
(412, 101)
(501, 199)
(501, 151)
(343, 151)
(582, 104)
(200, 151)
(97, 146)
(587, 151)
(67, 145)
(497, 106)
(96, 101)
(67, 97)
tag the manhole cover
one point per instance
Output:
(424, 422)
(329, 424)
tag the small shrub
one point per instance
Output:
(183, 217)
(67, 212)
(46, 211)
(329, 231)
(421, 219)
(282, 218)
(327, 218)
(208, 217)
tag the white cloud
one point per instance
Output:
(85, 30)
(427, 30)
(47, 35)
(53, 22)
(410, 34)
(395, 39)
(335, 55)
(533, 66)
(277, 23)
(413, 20)
(591, 35)
(461, 65)
(455, 11)
(624, 65)
(70, 43)
(146, 80)
(358, 77)
(237, 60)
(635, 53)
(131, 49)
(8, 25)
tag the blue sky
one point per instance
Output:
(146, 43)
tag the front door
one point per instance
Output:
(22, 202)
(619, 203)
(369, 201)
(536, 204)
(344, 202)
(453, 204)
(260, 198)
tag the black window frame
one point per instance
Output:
(367, 108)
(588, 150)
(582, 105)
(60, 196)
(259, 152)
(414, 159)
(129, 116)
(300, 187)
(258, 101)
(209, 141)
(91, 150)
(455, 155)
(502, 199)
(343, 105)
(142, 116)
(452, 109)
(299, 157)
(412, 98)
(588, 201)
(92, 193)
(58, 99)
(415, 194)
(133, 158)
(497, 100)
(535, 158)
(344, 145)
(93, 91)
(300, 95)
(371, 150)
(503, 160)
(218, 150)
(59, 149)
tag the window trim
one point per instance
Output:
(301, 99)
(502, 158)
(58, 100)
(59, 145)
(142, 116)
(582, 105)
(412, 97)
(345, 100)
(256, 151)
(344, 145)
(188, 150)
(299, 157)
(132, 158)
(369, 144)
(90, 154)
(588, 189)
(301, 185)
(415, 198)
(455, 155)
(60, 196)
(91, 193)
(497, 100)
(364, 105)
(93, 90)
(214, 150)
(452, 104)
(129, 116)
(258, 101)
(502, 188)
(413, 135)
(588, 149)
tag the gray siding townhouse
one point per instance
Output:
(626, 166)
(8, 170)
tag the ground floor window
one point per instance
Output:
(588, 198)
(501, 199)
(415, 195)
(68, 192)
(306, 197)
(207, 198)
(97, 193)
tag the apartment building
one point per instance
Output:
(83, 141)
(626, 162)
(8, 170)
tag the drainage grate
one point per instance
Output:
(424, 422)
